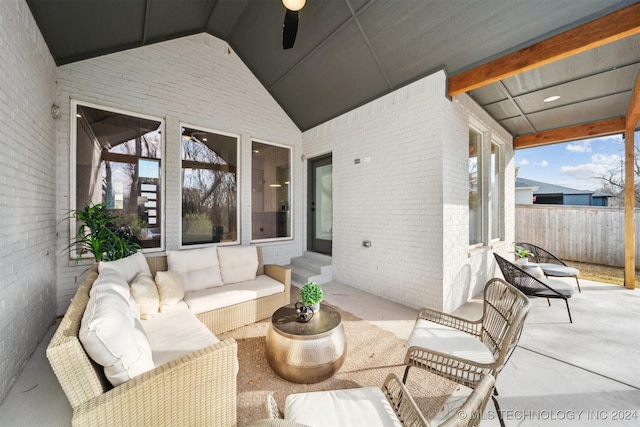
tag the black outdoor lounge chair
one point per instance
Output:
(533, 286)
(551, 265)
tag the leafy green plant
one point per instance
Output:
(100, 234)
(311, 293)
(521, 252)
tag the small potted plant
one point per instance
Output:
(522, 254)
(311, 295)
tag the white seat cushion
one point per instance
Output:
(198, 268)
(237, 263)
(558, 285)
(365, 406)
(224, 296)
(176, 333)
(558, 270)
(449, 340)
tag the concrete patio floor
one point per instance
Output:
(561, 374)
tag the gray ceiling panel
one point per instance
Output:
(503, 109)
(599, 85)
(316, 90)
(168, 17)
(351, 51)
(584, 112)
(489, 94)
(517, 126)
(264, 54)
(601, 59)
(76, 30)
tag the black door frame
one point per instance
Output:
(313, 244)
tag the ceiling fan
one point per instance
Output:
(290, 26)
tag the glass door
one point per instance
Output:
(320, 205)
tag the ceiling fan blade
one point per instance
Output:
(289, 29)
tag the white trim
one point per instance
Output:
(238, 187)
(291, 192)
(73, 167)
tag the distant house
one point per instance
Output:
(529, 191)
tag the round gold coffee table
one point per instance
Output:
(309, 352)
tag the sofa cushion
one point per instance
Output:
(198, 268)
(224, 296)
(129, 267)
(366, 406)
(175, 334)
(145, 292)
(170, 289)
(113, 279)
(112, 336)
(237, 263)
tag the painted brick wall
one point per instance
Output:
(196, 80)
(27, 189)
(408, 195)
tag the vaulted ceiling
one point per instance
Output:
(349, 52)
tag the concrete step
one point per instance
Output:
(311, 267)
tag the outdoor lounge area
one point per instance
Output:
(560, 374)
(210, 154)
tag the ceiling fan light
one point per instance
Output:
(294, 5)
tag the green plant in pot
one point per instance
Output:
(311, 295)
(101, 234)
(522, 254)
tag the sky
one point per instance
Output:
(572, 164)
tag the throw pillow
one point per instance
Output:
(238, 263)
(170, 288)
(145, 292)
(109, 335)
(198, 268)
(129, 267)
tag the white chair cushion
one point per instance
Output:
(145, 292)
(112, 336)
(237, 263)
(365, 406)
(224, 296)
(170, 289)
(198, 268)
(449, 340)
(559, 270)
(175, 334)
(558, 285)
(129, 267)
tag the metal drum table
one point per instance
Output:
(308, 352)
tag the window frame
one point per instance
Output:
(182, 125)
(73, 147)
(480, 156)
(291, 192)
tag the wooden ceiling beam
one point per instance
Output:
(615, 26)
(571, 133)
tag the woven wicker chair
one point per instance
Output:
(551, 265)
(467, 413)
(462, 350)
(533, 286)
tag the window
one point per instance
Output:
(494, 192)
(118, 163)
(209, 187)
(270, 191)
(475, 187)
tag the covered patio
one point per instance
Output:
(580, 374)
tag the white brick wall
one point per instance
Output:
(196, 80)
(410, 199)
(27, 176)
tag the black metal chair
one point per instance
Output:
(533, 286)
(551, 265)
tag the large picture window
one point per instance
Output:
(209, 187)
(270, 191)
(494, 192)
(118, 163)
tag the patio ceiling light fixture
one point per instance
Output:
(551, 98)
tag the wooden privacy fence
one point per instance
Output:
(577, 233)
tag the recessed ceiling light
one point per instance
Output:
(551, 98)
